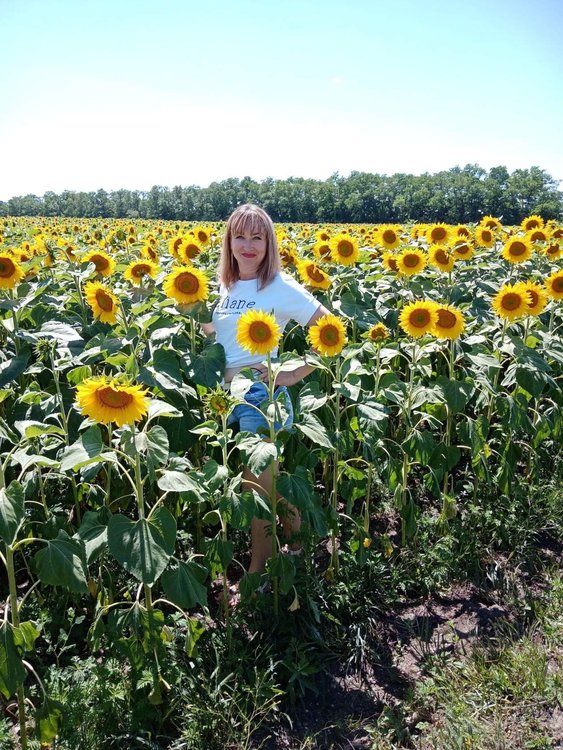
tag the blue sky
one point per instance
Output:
(131, 93)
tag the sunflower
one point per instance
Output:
(517, 249)
(186, 285)
(219, 402)
(189, 249)
(389, 261)
(202, 235)
(441, 258)
(537, 235)
(149, 251)
(377, 333)
(11, 272)
(388, 236)
(462, 231)
(103, 302)
(491, 223)
(343, 249)
(511, 301)
(450, 323)
(484, 237)
(554, 285)
(322, 235)
(328, 335)
(553, 250)
(106, 400)
(312, 275)
(138, 269)
(532, 222)
(287, 257)
(462, 249)
(418, 318)
(537, 297)
(321, 251)
(103, 262)
(438, 234)
(258, 332)
(174, 244)
(411, 261)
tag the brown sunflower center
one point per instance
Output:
(259, 332)
(538, 236)
(389, 236)
(140, 269)
(552, 249)
(202, 236)
(329, 335)
(462, 249)
(7, 268)
(438, 233)
(442, 257)
(511, 301)
(150, 252)
(557, 284)
(345, 248)
(534, 298)
(104, 300)
(486, 235)
(463, 232)
(392, 262)
(187, 283)
(532, 224)
(315, 274)
(100, 261)
(324, 250)
(113, 398)
(446, 318)
(517, 248)
(377, 334)
(177, 242)
(191, 251)
(412, 260)
(420, 318)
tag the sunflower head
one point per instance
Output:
(511, 301)
(554, 285)
(11, 272)
(418, 318)
(517, 249)
(258, 332)
(484, 237)
(377, 333)
(491, 223)
(410, 261)
(441, 258)
(537, 297)
(438, 234)
(139, 269)
(450, 322)
(186, 285)
(328, 335)
(389, 236)
(189, 249)
(553, 250)
(344, 249)
(103, 302)
(532, 222)
(312, 275)
(462, 249)
(219, 402)
(389, 261)
(321, 251)
(103, 262)
(108, 401)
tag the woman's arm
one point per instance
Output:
(208, 328)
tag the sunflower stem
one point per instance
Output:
(274, 494)
(15, 617)
(497, 372)
(448, 435)
(81, 300)
(335, 562)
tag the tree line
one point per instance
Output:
(456, 196)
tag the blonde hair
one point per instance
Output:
(253, 219)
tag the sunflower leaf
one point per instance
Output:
(62, 562)
(183, 584)
(12, 511)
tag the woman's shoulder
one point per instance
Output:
(283, 280)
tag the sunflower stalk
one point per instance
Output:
(497, 372)
(449, 420)
(405, 469)
(274, 493)
(334, 559)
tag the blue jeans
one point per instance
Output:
(251, 419)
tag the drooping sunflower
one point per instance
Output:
(463, 249)
(517, 249)
(511, 301)
(537, 297)
(106, 400)
(312, 275)
(388, 236)
(149, 251)
(389, 261)
(450, 323)
(186, 285)
(441, 258)
(553, 250)
(11, 272)
(377, 333)
(410, 261)
(484, 237)
(188, 250)
(344, 249)
(138, 269)
(103, 302)
(103, 262)
(554, 285)
(418, 318)
(438, 234)
(258, 332)
(321, 251)
(328, 335)
(532, 222)
(287, 257)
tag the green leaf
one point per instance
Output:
(13, 368)
(12, 671)
(48, 720)
(179, 481)
(87, 449)
(258, 454)
(296, 488)
(30, 429)
(93, 532)
(143, 547)
(311, 397)
(165, 363)
(209, 366)
(62, 562)
(314, 429)
(420, 446)
(218, 553)
(159, 408)
(456, 394)
(283, 568)
(78, 374)
(12, 511)
(183, 584)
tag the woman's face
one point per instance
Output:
(249, 250)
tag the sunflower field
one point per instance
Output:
(437, 383)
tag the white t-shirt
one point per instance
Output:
(283, 296)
